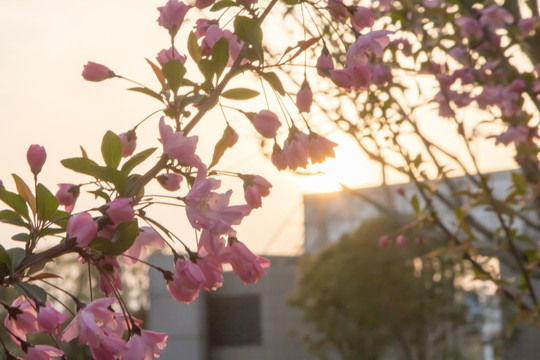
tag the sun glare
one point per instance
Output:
(350, 167)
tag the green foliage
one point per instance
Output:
(174, 72)
(111, 149)
(249, 30)
(240, 94)
(362, 298)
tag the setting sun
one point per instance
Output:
(329, 175)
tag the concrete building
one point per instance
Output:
(254, 322)
(235, 322)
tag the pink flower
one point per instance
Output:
(255, 187)
(96, 72)
(82, 228)
(342, 78)
(325, 63)
(320, 148)
(516, 134)
(495, 17)
(209, 210)
(145, 346)
(248, 266)
(42, 352)
(67, 195)
(362, 17)
(304, 97)
(381, 74)
(384, 241)
(170, 181)
(120, 210)
(21, 318)
(129, 142)
(373, 42)
(36, 157)
(213, 272)
(50, 319)
(201, 25)
(211, 244)
(110, 348)
(527, 26)
(186, 282)
(109, 278)
(469, 27)
(148, 237)
(177, 146)
(278, 158)
(164, 56)
(171, 16)
(201, 4)
(361, 76)
(265, 122)
(92, 323)
(401, 240)
(295, 149)
(337, 10)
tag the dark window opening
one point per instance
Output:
(234, 320)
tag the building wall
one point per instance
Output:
(188, 325)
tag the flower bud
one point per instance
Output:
(164, 56)
(170, 181)
(67, 195)
(266, 123)
(171, 16)
(304, 97)
(401, 240)
(129, 142)
(96, 72)
(36, 157)
(325, 63)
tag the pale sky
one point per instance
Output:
(44, 100)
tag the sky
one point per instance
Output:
(44, 100)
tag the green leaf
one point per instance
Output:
(158, 73)
(47, 203)
(102, 194)
(415, 204)
(17, 255)
(24, 237)
(193, 47)
(222, 5)
(122, 239)
(220, 56)
(111, 149)
(222, 145)
(51, 231)
(82, 165)
(136, 160)
(32, 291)
(249, 30)
(240, 94)
(113, 176)
(11, 217)
(25, 192)
(174, 72)
(207, 69)
(15, 202)
(519, 183)
(274, 82)
(4, 256)
(61, 218)
(148, 92)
